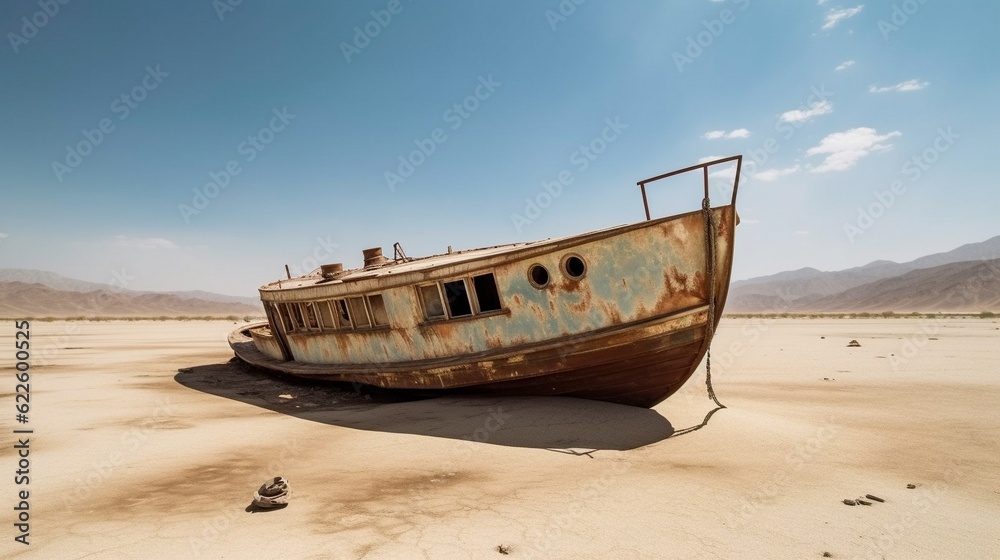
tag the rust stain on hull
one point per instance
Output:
(661, 356)
(630, 328)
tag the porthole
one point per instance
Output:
(538, 275)
(574, 267)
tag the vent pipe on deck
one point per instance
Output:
(329, 271)
(373, 257)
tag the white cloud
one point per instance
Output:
(844, 65)
(821, 2)
(772, 174)
(723, 171)
(908, 85)
(716, 134)
(833, 17)
(144, 242)
(801, 232)
(728, 173)
(3, 236)
(804, 115)
(844, 149)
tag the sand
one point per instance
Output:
(149, 443)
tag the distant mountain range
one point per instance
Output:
(39, 293)
(966, 279)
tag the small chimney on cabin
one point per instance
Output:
(330, 271)
(373, 257)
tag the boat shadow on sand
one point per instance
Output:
(562, 424)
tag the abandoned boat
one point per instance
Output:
(623, 314)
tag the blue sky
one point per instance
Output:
(204, 145)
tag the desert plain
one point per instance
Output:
(148, 442)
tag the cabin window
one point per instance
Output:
(281, 313)
(464, 297)
(574, 267)
(458, 298)
(281, 317)
(296, 314)
(430, 296)
(273, 317)
(309, 312)
(358, 312)
(377, 306)
(326, 315)
(487, 294)
(343, 317)
(538, 275)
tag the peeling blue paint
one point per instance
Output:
(628, 278)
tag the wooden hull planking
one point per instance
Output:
(632, 331)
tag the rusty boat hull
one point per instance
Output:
(624, 314)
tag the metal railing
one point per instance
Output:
(703, 166)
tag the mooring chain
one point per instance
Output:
(706, 207)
